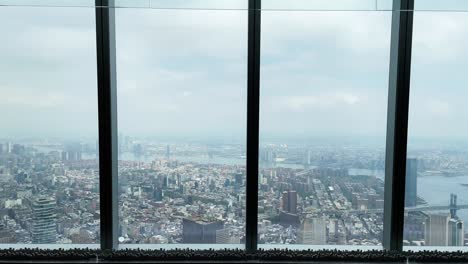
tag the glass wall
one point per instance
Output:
(182, 125)
(182, 86)
(324, 85)
(49, 173)
(437, 164)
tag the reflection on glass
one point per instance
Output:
(322, 129)
(321, 5)
(437, 163)
(49, 173)
(181, 99)
(440, 5)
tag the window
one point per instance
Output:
(322, 126)
(182, 124)
(186, 85)
(436, 178)
(48, 138)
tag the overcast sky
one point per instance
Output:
(183, 73)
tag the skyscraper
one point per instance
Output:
(453, 205)
(8, 147)
(43, 229)
(168, 152)
(238, 179)
(411, 182)
(442, 230)
(289, 200)
(455, 233)
(436, 230)
(312, 232)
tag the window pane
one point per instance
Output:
(48, 158)
(437, 164)
(324, 88)
(182, 122)
(50, 3)
(441, 5)
(321, 5)
(184, 4)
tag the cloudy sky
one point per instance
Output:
(183, 72)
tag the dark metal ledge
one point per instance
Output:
(228, 255)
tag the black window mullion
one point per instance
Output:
(253, 108)
(397, 123)
(107, 107)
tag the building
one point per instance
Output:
(200, 231)
(44, 227)
(224, 236)
(288, 219)
(289, 200)
(8, 147)
(239, 179)
(455, 233)
(7, 236)
(313, 231)
(158, 194)
(414, 228)
(168, 152)
(411, 182)
(64, 156)
(442, 230)
(436, 230)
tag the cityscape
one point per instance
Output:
(193, 192)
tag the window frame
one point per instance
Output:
(396, 135)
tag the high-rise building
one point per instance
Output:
(200, 231)
(238, 179)
(453, 205)
(437, 230)
(64, 156)
(455, 233)
(8, 147)
(411, 182)
(307, 158)
(168, 152)
(158, 194)
(289, 200)
(43, 229)
(313, 231)
(442, 230)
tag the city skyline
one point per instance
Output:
(301, 193)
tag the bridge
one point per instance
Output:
(452, 207)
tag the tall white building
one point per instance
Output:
(442, 230)
(455, 233)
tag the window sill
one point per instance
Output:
(228, 255)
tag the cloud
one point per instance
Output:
(437, 108)
(187, 93)
(306, 102)
(439, 37)
(185, 71)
